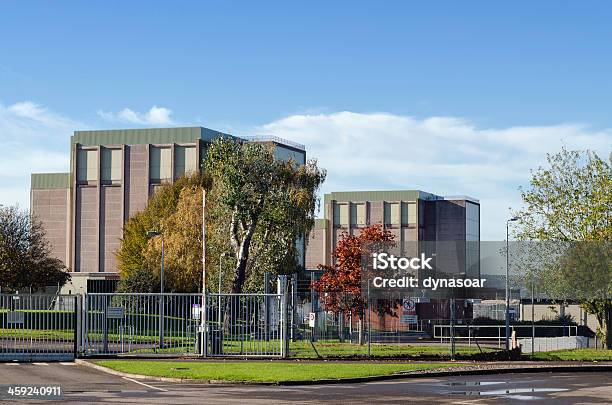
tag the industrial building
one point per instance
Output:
(112, 175)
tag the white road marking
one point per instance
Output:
(67, 364)
(146, 385)
(41, 364)
(13, 364)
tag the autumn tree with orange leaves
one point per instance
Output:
(340, 284)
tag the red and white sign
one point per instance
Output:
(409, 315)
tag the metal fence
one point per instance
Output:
(497, 333)
(140, 324)
(246, 325)
(237, 325)
(38, 327)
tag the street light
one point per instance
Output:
(150, 235)
(508, 282)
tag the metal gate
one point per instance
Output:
(140, 324)
(246, 325)
(38, 327)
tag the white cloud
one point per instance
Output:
(32, 139)
(155, 116)
(442, 155)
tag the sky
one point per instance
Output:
(453, 98)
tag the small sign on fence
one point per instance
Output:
(312, 317)
(409, 304)
(114, 312)
(409, 319)
(409, 315)
(15, 317)
(195, 311)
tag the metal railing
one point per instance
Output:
(495, 333)
(38, 327)
(140, 324)
(46, 327)
(247, 325)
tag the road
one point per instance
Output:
(82, 384)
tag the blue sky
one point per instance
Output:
(481, 90)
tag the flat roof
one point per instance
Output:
(390, 195)
(145, 135)
(40, 181)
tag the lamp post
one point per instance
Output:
(508, 282)
(152, 234)
(532, 316)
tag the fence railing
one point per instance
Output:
(37, 327)
(247, 325)
(495, 333)
(140, 324)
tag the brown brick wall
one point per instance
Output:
(315, 249)
(50, 207)
(110, 227)
(86, 230)
(376, 212)
(137, 179)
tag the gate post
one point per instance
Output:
(282, 290)
(75, 320)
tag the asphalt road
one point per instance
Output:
(81, 384)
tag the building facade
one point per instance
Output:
(112, 176)
(412, 216)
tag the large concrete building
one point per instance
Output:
(112, 176)
(412, 216)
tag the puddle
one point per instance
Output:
(474, 383)
(511, 392)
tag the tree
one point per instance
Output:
(139, 257)
(266, 205)
(256, 209)
(25, 254)
(570, 202)
(340, 285)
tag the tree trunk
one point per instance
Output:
(608, 324)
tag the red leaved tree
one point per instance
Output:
(340, 284)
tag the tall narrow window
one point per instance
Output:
(111, 165)
(185, 160)
(87, 165)
(160, 167)
(358, 214)
(408, 213)
(341, 215)
(392, 213)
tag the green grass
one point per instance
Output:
(271, 372)
(337, 349)
(575, 354)
(57, 334)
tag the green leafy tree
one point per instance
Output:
(25, 254)
(139, 257)
(256, 209)
(261, 207)
(569, 204)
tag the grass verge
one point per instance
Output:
(270, 372)
(574, 354)
(304, 349)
